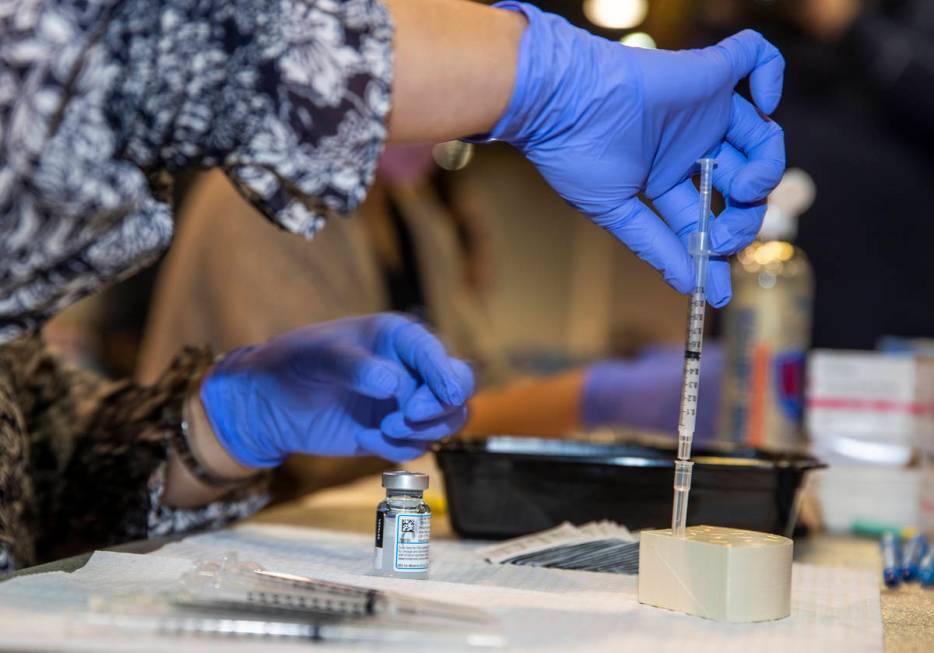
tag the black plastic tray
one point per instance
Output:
(506, 486)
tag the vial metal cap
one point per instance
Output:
(402, 480)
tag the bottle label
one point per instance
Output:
(789, 383)
(413, 532)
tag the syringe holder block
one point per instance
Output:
(724, 574)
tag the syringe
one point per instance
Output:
(700, 250)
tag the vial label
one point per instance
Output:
(413, 533)
(380, 524)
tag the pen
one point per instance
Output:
(891, 559)
(914, 551)
(926, 569)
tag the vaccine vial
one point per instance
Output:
(403, 526)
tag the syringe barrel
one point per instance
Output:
(684, 445)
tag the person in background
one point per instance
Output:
(411, 247)
(414, 246)
(102, 103)
(417, 246)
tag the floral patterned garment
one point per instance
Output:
(101, 101)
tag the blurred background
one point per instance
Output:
(824, 347)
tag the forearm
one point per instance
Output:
(182, 488)
(455, 65)
(548, 407)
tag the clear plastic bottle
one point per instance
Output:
(403, 526)
(767, 328)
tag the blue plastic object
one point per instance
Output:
(915, 549)
(379, 384)
(891, 559)
(926, 569)
(604, 122)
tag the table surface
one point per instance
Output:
(907, 612)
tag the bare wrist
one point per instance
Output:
(207, 448)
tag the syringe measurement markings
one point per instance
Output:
(695, 340)
(692, 355)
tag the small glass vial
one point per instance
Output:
(403, 526)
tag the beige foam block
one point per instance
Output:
(725, 574)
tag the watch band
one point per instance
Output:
(180, 440)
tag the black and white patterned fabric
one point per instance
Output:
(102, 100)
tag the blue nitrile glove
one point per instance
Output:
(604, 122)
(379, 384)
(645, 392)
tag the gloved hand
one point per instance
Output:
(604, 122)
(378, 384)
(645, 392)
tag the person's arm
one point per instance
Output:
(113, 461)
(86, 463)
(543, 407)
(601, 121)
(454, 68)
(183, 489)
(374, 385)
(296, 107)
(641, 393)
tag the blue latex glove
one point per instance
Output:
(604, 122)
(379, 384)
(645, 392)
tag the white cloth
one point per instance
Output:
(541, 610)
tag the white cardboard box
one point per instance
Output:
(856, 397)
(869, 415)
